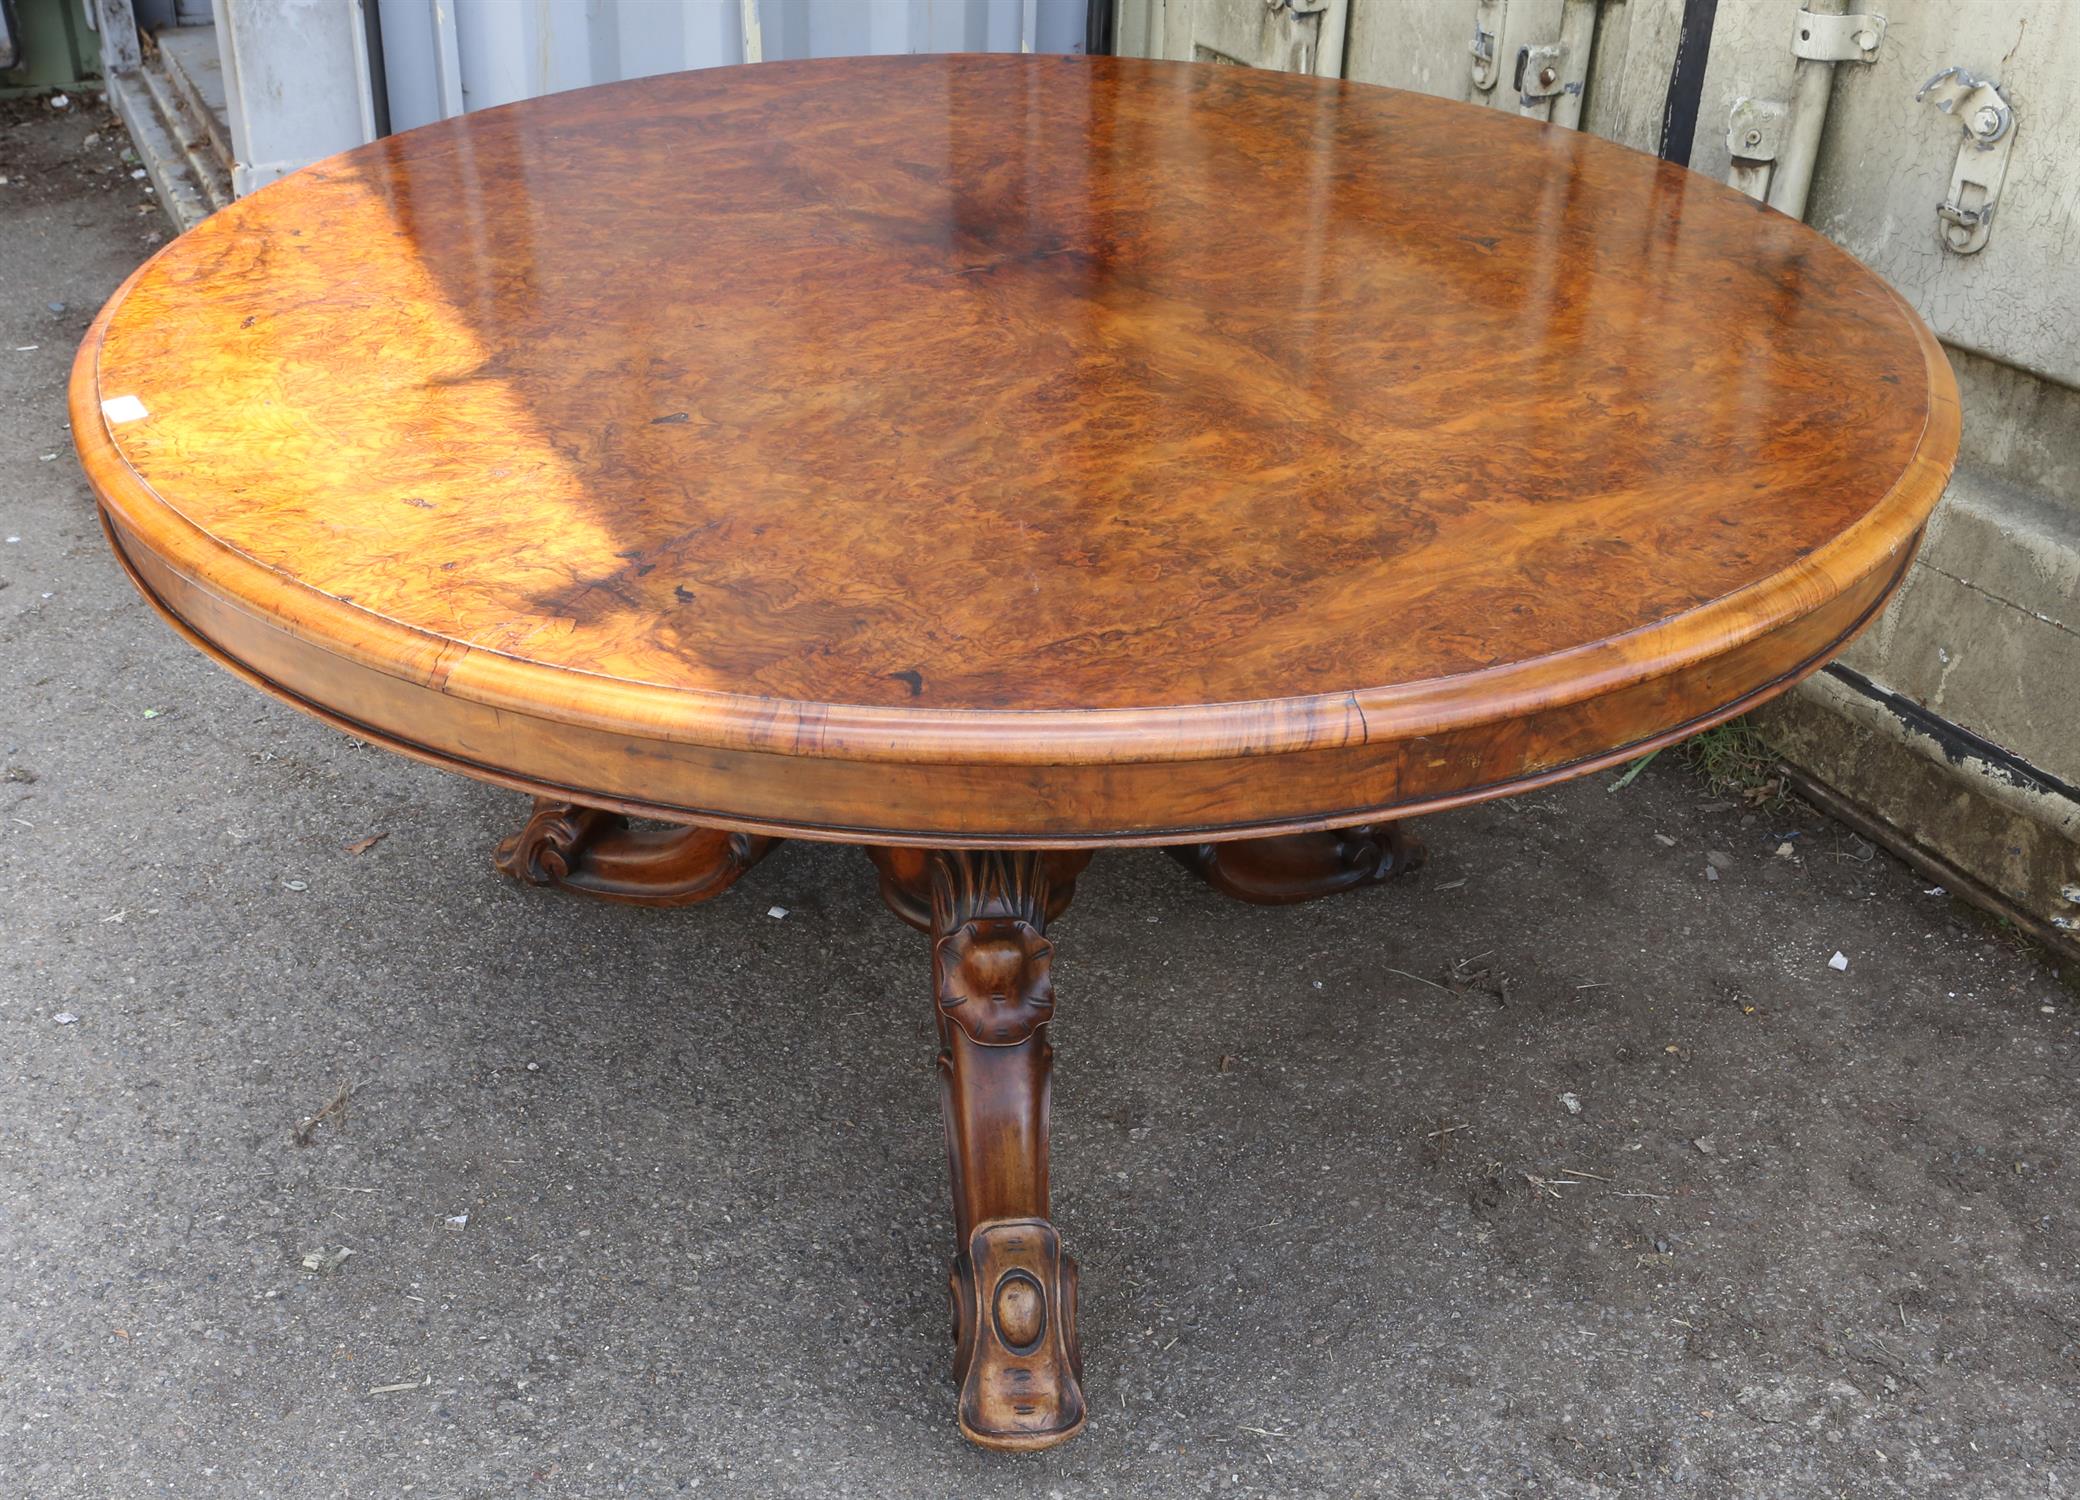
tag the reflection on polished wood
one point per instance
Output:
(989, 459)
(965, 465)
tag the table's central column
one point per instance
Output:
(1014, 1291)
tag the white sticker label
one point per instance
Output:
(124, 409)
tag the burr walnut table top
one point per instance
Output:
(1011, 450)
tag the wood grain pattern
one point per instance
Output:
(1012, 450)
(987, 458)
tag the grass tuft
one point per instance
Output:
(1734, 759)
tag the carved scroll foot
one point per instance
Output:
(1303, 866)
(1016, 1357)
(595, 852)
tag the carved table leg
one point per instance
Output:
(590, 850)
(1303, 866)
(1016, 1358)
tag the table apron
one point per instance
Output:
(978, 805)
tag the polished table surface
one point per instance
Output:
(973, 453)
(1003, 421)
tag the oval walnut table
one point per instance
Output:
(986, 460)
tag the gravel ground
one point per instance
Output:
(1559, 1169)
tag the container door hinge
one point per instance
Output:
(1541, 48)
(1754, 136)
(1965, 218)
(1487, 30)
(1540, 75)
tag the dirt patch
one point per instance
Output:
(69, 156)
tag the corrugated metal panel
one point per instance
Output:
(446, 56)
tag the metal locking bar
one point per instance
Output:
(1965, 217)
(1820, 37)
